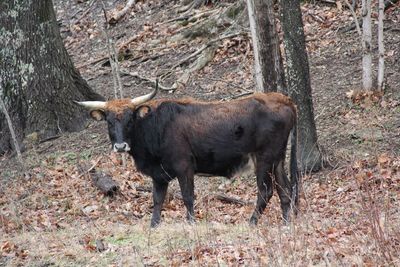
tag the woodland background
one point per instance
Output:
(51, 214)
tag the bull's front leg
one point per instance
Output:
(159, 192)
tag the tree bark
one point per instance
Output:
(37, 76)
(367, 45)
(268, 67)
(299, 86)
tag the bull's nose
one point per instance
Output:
(121, 147)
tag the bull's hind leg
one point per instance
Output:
(284, 189)
(265, 190)
(186, 183)
(159, 192)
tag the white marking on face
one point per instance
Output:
(121, 147)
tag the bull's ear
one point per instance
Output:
(142, 111)
(97, 114)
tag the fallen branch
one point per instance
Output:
(119, 15)
(49, 138)
(105, 183)
(147, 189)
(331, 2)
(233, 200)
(160, 86)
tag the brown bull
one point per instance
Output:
(179, 138)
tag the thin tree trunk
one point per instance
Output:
(268, 68)
(381, 47)
(12, 132)
(366, 45)
(299, 86)
(37, 76)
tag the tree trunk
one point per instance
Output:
(299, 86)
(38, 81)
(366, 45)
(381, 47)
(268, 68)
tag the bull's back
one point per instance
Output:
(222, 137)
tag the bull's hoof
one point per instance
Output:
(154, 223)
(253, 220)
(191, 219)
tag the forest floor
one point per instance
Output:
(52, 215)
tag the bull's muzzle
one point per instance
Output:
(121, 147)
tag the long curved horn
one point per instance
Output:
(92, 104)
(144, 98)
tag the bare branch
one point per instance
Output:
(353, 13)
(11, 128)
(113, 57)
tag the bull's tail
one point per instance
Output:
(294, 174)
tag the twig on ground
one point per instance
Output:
(141, 188)
(233, 200)
(49, 138)
(91, 168)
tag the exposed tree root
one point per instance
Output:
(206, 54)
(120, 14)
(213, 22)
(160, 86)
(193, 4)
(221, 21)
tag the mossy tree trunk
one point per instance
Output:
(268, 67)
(299, 86)
(38, 81)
